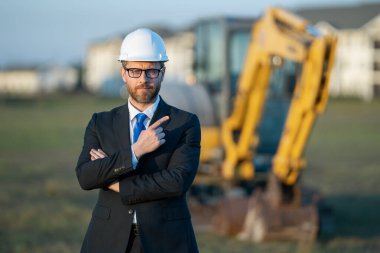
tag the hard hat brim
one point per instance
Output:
(149, 59)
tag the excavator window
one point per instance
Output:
(207, 54)
(279, 96)
(239, 41)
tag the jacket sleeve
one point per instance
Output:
(172, 181)
(101, 172)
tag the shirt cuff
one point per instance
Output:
(134, 159)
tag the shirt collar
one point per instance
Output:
(133, 111)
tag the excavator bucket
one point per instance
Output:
(274, 212)
(230, 215)
(264, 222)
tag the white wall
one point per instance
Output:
(354, 63)
(352, 74)
(101, 63)
(179, 68)
(19, 83)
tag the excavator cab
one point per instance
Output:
(220, 50)
(278, 98)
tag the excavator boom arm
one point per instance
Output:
(276, 37)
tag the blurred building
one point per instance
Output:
(58, 79)
(21, 82)
(180, 48)
(357, 64)
(101, 65)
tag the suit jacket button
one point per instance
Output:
(116, 170)
(130, 211)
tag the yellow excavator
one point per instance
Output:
(263, 111)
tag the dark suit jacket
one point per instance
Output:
(156, 190)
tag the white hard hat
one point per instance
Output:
(143, 45)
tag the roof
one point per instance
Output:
(342, 17)
(20, 67)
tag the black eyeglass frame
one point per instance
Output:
(146, 71)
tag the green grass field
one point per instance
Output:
(43, 208)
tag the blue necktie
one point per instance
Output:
(140, 118)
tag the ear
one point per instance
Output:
(163, 73)
(123, 74)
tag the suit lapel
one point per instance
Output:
(161, 111)
(121, 122)
(121, 127)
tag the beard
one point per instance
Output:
(144, 94)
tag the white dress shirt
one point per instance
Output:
(133, 111)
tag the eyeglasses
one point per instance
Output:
(150, 73)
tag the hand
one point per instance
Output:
(97, 154)
(150, 139)
(114, 187)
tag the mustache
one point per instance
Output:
(143, 86)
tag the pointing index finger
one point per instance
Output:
(159, 122)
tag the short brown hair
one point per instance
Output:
(124, 63)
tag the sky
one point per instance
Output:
(38, 32)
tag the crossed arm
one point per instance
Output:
(149, 140)
(96, 169)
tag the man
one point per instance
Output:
(142, 157)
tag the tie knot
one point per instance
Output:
(140, 118)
